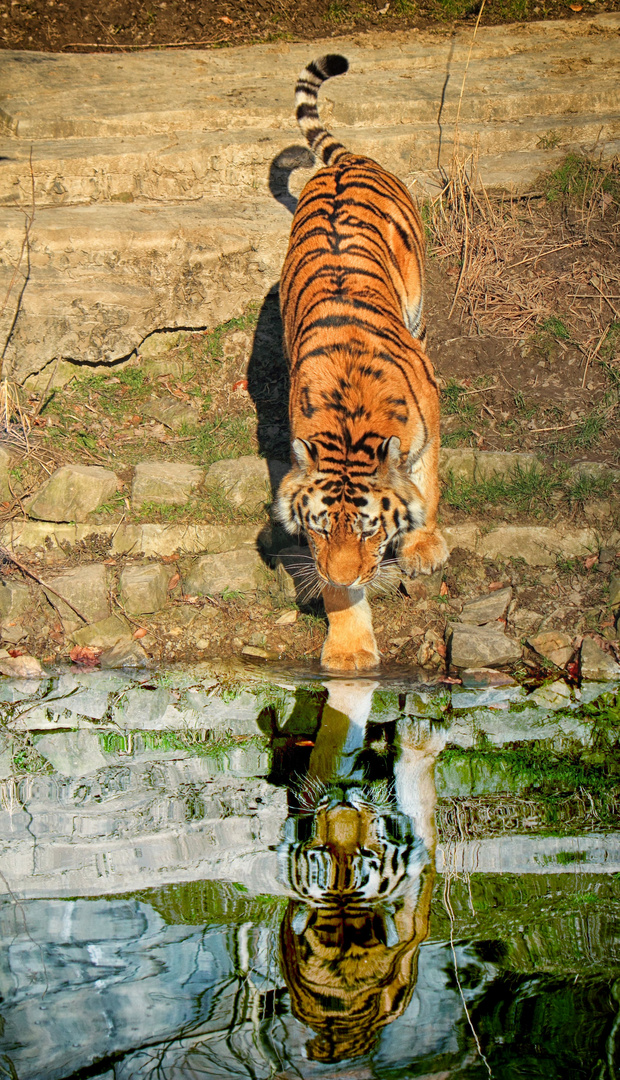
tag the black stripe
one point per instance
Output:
(304, 110)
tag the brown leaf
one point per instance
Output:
(443, 589)
(169, 558)
(590, 561)
(85, 655)
(174, 581)
(493, 586)
(576, 7)
(140, 632)
(241, 384)
(225, 19)
(16, 652)
(441, 649)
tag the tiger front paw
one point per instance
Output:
(422, 552)
(335, 659)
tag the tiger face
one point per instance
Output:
(350, 519)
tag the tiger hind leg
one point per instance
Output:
(424, 550)
(350, 643)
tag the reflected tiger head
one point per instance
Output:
(349, 941)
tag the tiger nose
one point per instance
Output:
(343, 567)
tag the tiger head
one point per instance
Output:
(350, 516)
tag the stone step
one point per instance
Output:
(169, 157)
(197, 165)
(513, 72)
(103, 277)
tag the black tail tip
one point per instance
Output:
(333, 64)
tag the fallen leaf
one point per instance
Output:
(169, 558)
(576, 7)
(85, 655)
(174, 581)
(140, 632)
(443, 589)
(493, 586)
(225, 19)
(241, 384)
(109, 562)
(450, 681)
(590, 561)
(441, 649)
(17, 652)
(304, 742)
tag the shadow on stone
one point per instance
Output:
(268, 380)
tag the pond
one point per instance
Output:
(246, 873)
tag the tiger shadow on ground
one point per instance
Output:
(268, 381)
(267, 373)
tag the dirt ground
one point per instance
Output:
(57, 25)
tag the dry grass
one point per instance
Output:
(512, 253)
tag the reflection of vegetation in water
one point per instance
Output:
(212, 902)
(526, 767)
(539, 766)
(568, 922)
(203, 743)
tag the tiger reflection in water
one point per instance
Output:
(362, 878)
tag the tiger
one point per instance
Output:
(361, 878)
(364, 404)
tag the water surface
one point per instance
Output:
(260, 875)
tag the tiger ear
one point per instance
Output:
(305, 454)
(388, 454)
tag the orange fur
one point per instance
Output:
(364, 408)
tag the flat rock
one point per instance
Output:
(595, 663)
(554, 695)
(125, 654)
(538, 545)
(247, 482)
(486, 609)
(71, 493)
(476, 646)
(103, 634)
(144, 589)
(526, 620)
(553, 645)
(460, 462)
(595, 470)
(474, 678)
(255, 652)
(166, 482)
(72, 753)
(12, 631)
(501, 463)
(614, 590)
(172, 412)
(21, 667)
(86, 587)
(235, 571)
(14, 598)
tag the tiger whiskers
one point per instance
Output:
(308, 582)
(386, 580)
